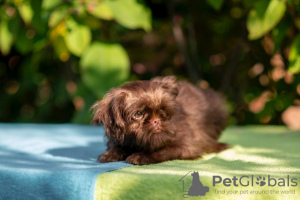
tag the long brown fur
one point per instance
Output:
(162, 119)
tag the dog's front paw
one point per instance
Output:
(140, 159)
(110, 156)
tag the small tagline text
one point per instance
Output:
(250, 191)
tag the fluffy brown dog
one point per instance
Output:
(162, 119)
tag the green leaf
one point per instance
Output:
(39, 22)
(104, 66)
(100, 10)
(23, 43)
(8, 31)
(6, 37)
(26, 11)
(294, 3)
(294, 58)
(279, 33)
(78, 38)
(92, 22)
(130, 14)
(57, 16)
(250, 4)
(61, 49)
(50, 4)
(264, 17)
(215, 4)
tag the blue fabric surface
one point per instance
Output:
(51, 161)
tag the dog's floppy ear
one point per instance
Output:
(168, 83)
(98, 112)
(110, 111)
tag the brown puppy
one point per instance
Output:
(162, 119)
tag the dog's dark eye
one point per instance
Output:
(162, 114)
(138, 115)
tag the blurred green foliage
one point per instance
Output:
(74, 35)
(57, 57)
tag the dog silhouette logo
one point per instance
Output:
(193, 187)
